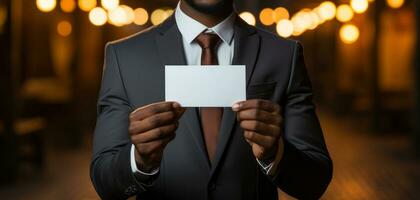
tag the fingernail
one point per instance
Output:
(176, 105)
(235, 106)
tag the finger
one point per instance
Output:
(180, 111)
(154, 134)
(262, 104)
(152, 109)
(260, 115)
(146, 149)
(262, 140)
(152, 122)
(260, 127)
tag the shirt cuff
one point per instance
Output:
(271, 169)
(133, 163)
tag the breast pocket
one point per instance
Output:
(260, 90)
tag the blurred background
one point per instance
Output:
(362, 57)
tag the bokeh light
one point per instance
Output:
(284, 28)
(98, 16)
(129, 14)
(248, 18)
(280, 13)
(395, 3)
(349, 33)
(344, 13)
(110, 4)
(326, 10)
(140, 16)
(68, 6)
(64, 28)
(117, 16)
(298, 25)
(359, 6)
(267, 16)
(169, 12)
(46, 5)
(158, 16)
(87, 5)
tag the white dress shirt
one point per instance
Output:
(190, 29)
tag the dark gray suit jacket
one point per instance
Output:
(134, 76)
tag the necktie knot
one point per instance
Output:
(207, 40)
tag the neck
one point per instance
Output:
(206, 19)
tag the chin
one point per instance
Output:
(209, 6)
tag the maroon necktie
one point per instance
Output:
(211, 117)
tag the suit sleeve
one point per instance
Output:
(110, 168)
(305, 169)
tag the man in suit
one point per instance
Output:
(159, 150)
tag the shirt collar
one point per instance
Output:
(191, 28)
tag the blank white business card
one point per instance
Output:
(205, 86)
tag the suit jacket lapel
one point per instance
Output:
(247, 45)
(171, 51)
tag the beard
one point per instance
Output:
(210, 8)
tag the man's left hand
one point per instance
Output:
(262, 124)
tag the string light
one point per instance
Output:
(117, 16)
(64, 28)
(349, 33)
(158, 16)
(395, 3)
(98, 16)
(344, 13)
(110, 4)
(326, 10)
(284, 28)
(359, 6)
(267, 16)
(87, 5)
(280, 13)
(140, 16)
(129, 14)
(248, 18)
(46, 5)
(67, 6)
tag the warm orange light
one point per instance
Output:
(284, 28)
(349, 33)
(169, 12)
(299, 25)
(280, 13)
(326, 10)
(87, 5)
(248, 18)
(344, 13)
(359, 6)
(129, 14)
(267, 16)
(46, 5)
(117, 16)
(140, 16)
(395, 3)
(98, 16)
(110, 4)
(67, 6)
(158, 16)
(64, 28)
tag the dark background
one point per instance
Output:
(367, 94)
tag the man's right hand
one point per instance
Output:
(152, 127)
